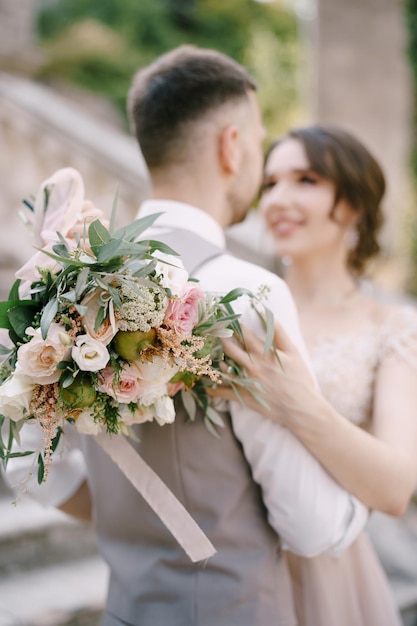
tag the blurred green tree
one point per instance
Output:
(98, 44)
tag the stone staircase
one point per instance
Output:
(50, 572)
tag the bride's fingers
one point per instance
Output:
(235, 352)
(221, 391)
(281, 339)
(251, 342)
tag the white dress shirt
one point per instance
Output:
(307, 508)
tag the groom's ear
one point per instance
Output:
(229, 152)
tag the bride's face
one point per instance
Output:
(296, 204)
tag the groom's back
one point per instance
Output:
(153, 582)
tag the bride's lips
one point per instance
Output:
(285, 227)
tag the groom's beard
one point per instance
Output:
(239, 207)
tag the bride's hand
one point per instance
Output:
(286, 384)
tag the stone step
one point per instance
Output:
(50, 571)
(71, 594)
(32, 536)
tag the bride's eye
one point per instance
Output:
(267, 185)
(308, 180)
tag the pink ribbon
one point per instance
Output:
(170, 510)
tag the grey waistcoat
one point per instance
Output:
(152, 581)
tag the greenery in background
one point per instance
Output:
(411, 16)
(98, 44)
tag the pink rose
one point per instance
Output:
(125, 390)
(39, 357)
(174, 388)
(182, 312)
(107, 329)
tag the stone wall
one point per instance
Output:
(361, 81)
(41, 132)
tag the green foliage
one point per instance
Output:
(99, 44)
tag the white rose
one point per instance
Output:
(15, 395)
(151, 392)
(154, 376)
(86, 425)
(138, 416)
(90, 354)
(156, 371)
(172, 272)
(164, 411)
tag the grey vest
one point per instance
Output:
(152, 581)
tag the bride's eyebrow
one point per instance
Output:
(304, 170)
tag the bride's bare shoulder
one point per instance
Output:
(389, 308)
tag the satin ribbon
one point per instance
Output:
(170, 510)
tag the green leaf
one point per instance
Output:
(14, 291)
(61, 250)
(49, 312)
(136, 228)
(101, 314)
(98, 236)
(162, 247)
(214, 417)
(119, 247)
(81, 281)
(234, 294)
(143, 270)
(114, 211)
(22, 316)
(14, 455)
(208, 424)
(89, 261)
(41, 469)
(189, 403)
(4, 312)
(55, 440)
(270, 330)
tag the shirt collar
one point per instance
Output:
(186, 216)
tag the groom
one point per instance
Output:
(196, 119)
(254, 489)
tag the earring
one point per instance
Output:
(351, 237)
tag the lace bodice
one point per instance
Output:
(346, 365)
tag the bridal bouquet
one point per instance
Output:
(104, 328)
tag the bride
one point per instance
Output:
(321, 202)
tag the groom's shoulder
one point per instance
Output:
(249, 271)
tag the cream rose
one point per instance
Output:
(90, 354)
(86, 425)
(137, 416)
(39, 357)
(15, 395)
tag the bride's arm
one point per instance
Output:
(380, 469)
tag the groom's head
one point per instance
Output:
(195, 108)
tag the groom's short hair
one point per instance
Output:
(176, 90)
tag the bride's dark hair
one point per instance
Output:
(338, 156)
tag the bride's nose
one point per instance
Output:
(277, 197)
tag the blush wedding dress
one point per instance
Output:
(352, 589)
